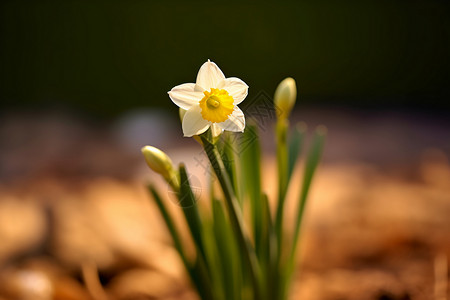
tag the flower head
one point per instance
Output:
(211, 102)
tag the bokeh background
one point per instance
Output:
(106, 57)
(83, 86)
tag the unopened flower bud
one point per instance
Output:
(158, 161)
(285, 96)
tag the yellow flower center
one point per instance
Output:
(217, 105)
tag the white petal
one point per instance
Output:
(209, 76)
(237, 89)
(193, 122)
(185, 95)
(216, 130)
(235, 122)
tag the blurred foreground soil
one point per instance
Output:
(73, 203)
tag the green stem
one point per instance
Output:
(197, 272)
(310, 168)
(188, 204)
(235, 215)
(170, 225)
(282, 163)
(311, 164)
(251, 158)
(230, 154)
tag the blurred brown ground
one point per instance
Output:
(73, 200)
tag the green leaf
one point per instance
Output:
(196, 271)
(282, 127)
(311, 164)
(236, 218)
(188, 204)
(228, 252)
(295, 147)
(170, 225)
(251, 169)
(216, 265)
(227, 151)
(269, 247)
(310, 167)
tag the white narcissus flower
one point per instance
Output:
(211, 102)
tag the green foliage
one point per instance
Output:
(237, 258)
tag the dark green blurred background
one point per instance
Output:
(105, 57)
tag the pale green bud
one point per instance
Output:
(285, 96)
(158, 161)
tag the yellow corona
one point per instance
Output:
(217, 105)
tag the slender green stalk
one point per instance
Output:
(281, 131)
(216, 265)
(296, 147)
(236, 217)
(170, 226)
(251, 161)
(211, 180)
(197, 271)
(282, 164)
(228, 252)
(310, 168)
(201, 277)
(269, 253)
(228, 156)
(312, 162)
(188, 203)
